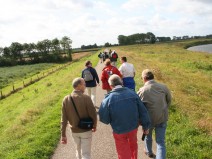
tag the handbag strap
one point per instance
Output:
(75, 107)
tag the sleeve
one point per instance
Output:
(64, 120)
(117, 72)
(82, 74)
(92, 111)
(168, 96)
(104, 114)
(96, 76)
(103, 78)
(143, 115)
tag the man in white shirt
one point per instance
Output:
(128, 73)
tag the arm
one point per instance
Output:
(63, 124)
(104, 114)
(168, 97)
(91, 111)
(143, 115)
(96, 76)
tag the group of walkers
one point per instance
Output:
(122, 108)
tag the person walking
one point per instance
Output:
(123, 110)
(107, 71)
(157, 99)
(128, 73)
(113, 58)
(85, 108)
(91, 78)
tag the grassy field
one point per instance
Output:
(189, 76)
(30, 119)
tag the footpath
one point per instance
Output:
(103, 146)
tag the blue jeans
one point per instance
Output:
(160, 131)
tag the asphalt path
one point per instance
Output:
(103, 146)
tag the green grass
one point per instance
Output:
(189, 76)
(30, 119)
(9, 75)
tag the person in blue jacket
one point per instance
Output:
(124, 111)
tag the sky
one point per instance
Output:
(99, 21)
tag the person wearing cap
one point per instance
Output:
(92, 82)
(107, 71)
(128, 73)
(157, 99)
(124, 111)
(113, 58)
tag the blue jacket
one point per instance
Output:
(95, 77)
(124, 110)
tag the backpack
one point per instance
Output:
(87, 75)
(109, 72)
(114, 55)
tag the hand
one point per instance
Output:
(93, 130)
(146, 131)
(98, 84)
(63, 140)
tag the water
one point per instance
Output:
(202, 48)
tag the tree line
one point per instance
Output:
(55, 50)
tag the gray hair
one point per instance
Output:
(115, 80)
(77, 81)
(147, 74)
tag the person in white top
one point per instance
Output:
(128, 73)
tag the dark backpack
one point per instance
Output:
(87, 75)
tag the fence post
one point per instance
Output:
(13, 87)
(31, 80)
(1, 94)
(23, 84)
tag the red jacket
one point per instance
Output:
(106, 72)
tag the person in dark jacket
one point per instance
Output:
(91, 78)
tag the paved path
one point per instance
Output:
(103, 146)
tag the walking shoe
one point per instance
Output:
(150, 155)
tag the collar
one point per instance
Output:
(149, 82)
(118, 86)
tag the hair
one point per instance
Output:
(87, 63)
(107, 62)
(77, 81)
(124, 59)
(114, 80)
(147, 74)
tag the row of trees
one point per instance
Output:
(43, 51)
(139, 38)
(89, 46)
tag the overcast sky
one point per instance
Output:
(100, 21)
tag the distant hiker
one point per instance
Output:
(123, 110)
(113, 58)
(128, 73)
(105, 56)
(107, 71)
(91, 78)
(157, 99)
(101, 56)
(81, 137)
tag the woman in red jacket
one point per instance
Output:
(107, 71)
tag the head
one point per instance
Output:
(88, 64)
(79, 84)
(123, 59)
(107, 62)
(114, 81)
(147, 75)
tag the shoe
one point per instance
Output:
(150, 155)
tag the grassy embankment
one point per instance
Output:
(189, 76)
(30, 119)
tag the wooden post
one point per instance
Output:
(1, 94)
(23, 84)
(31, 80)
(13, 87)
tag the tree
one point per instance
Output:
(55, 46)
(66, 46)
(6, 52)
(107, 44)
(151, 37)
(16, 49)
